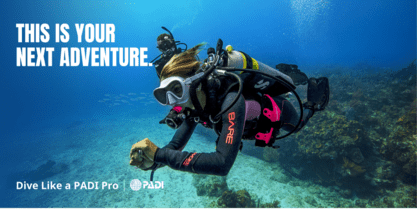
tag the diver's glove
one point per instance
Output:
(142, 154)
(318, 94)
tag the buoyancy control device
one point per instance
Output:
(251, 78)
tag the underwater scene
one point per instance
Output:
(208, 104)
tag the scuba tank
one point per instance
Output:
(256, 82)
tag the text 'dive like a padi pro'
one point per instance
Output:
(50, 185)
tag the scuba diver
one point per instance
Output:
(168, 46)
(232, 93)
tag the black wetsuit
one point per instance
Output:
(233, 123)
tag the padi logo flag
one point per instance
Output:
(136, 185)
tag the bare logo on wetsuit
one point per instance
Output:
(229, 138)
(261, 84)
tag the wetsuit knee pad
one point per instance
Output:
(253, 109)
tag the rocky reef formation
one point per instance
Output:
(216, 186)
(363, 146)
(212, 186)
(365, 140)
(240, 199)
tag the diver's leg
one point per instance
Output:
(290, 116)
(317, 99)
(298, 77)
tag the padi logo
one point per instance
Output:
(261, 84)
(136, 185)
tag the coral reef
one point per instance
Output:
(365, 140)
(274, 204)
(270, 154)
(351, 168)
(363, 144)
(401, 144)
(240, 199)
(230, 199)
(208, 185)
(330, 134)
(356, 155)
(403, 197)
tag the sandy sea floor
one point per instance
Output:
(98, 151)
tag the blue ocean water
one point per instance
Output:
(64, 124)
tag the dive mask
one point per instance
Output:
(172, 91)
(165, 44)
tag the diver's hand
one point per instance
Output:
(142, 154)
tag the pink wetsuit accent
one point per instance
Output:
(264, 137)
(177, 109)
(274, 114)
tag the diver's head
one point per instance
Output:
(172, 90)
(165, 42)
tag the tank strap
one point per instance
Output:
(247, 60)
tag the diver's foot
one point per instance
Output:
(318, 93)
(298, 77)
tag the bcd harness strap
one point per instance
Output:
(268, 124)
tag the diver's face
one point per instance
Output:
(164, 45)
(188, 104)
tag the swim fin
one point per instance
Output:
(318, 93)
(298, 77)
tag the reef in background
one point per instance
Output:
(363, 146)
(364, 142)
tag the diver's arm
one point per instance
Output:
(182, 135)
(219, 162)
